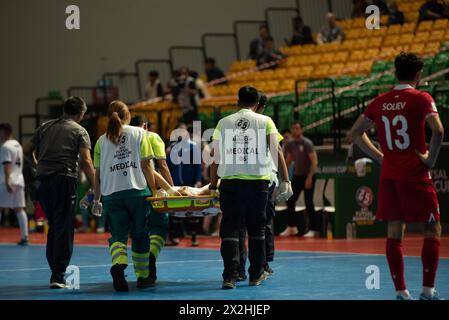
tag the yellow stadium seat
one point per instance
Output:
(417, 48)
(378, 32)
(406, 38)
(446, 36)
(357, 55)
(425, 26)
(394, 29)
(375, 42)
(421, 37)
(353, 33)
(348, 45)
(391, 40)
(336, 69)
(361, 44)
(358, 23)
(437, 35)
(441, 24)
(365, 67)
(351, 68)
(387, 53)
(403, 48)
(432, 48)
(341, 56)
(408, 28)
(383, 20)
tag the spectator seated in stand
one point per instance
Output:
(330, 32)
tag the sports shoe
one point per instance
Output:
(268, 270)
(311, 234)
(195, 242)
(242, 276)
(289, 232)
(118, 277)
(145, 282)
(23, 242)
(153, 271)
(401, 297)
(57, 281)
(258, 281)
(435, 296)
(172, 242)
(228, 284)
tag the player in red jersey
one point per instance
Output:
(406, 191)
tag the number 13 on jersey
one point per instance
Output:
(402, 139)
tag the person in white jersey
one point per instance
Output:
(12, 183)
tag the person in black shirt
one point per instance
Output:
(302, 34)
(432, 10)
(396, 16)
(269, 53)
(256, 46)
(212, 71)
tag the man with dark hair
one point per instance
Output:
(302, 152)
(302, 34)
(269, 53)
(57, 145)
(12, 182)
(406, 191)
(154, 87)
(270, 213)
(212, 71)
(256, 46)
(242, 160)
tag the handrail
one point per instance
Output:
(173, 48)
(124, 74)
(70, 89)
(222, 35)
(140, 61)
(37, 107)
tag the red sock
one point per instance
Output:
(396, 263)
(430, 255)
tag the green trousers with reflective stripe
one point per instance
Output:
(158, 230)
(126, 216)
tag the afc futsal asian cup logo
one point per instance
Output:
(242, 124)
(364, 197)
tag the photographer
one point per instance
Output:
(185, 93)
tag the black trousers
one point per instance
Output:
(269, 233)
(57, 195)
(298, 186)
(243, 202)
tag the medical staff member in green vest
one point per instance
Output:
(158, 222)
(123, 172)
(243, 143)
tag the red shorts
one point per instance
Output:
(408, 201)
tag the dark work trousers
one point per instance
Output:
(269, 233)
(57, 195)
(298, 186)
(243, 202)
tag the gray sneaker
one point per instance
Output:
(258, 281)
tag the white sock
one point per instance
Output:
(429, 292)
(403, 293)
(23, 223)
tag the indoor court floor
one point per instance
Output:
(316, 269)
